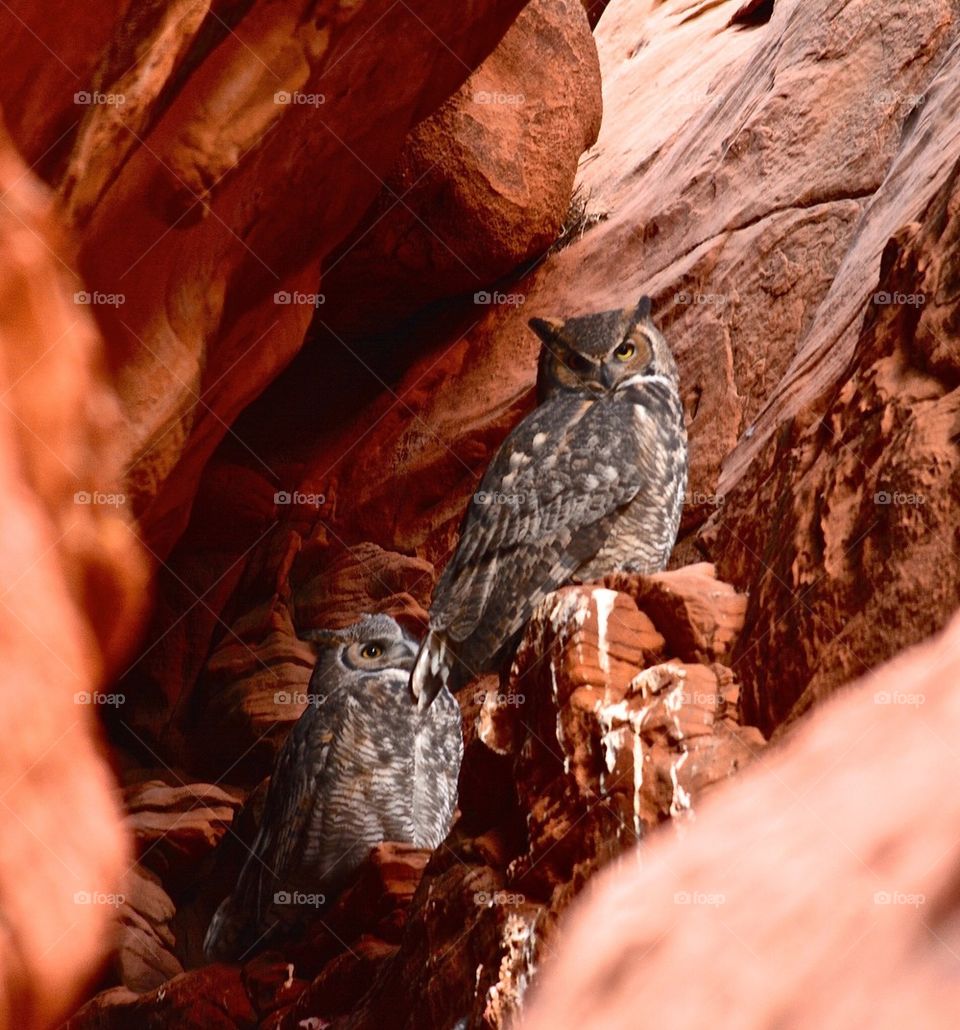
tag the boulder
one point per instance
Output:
(482, 187)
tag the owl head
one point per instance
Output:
(597, 354)
(375, 643)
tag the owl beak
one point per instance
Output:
(608, 376)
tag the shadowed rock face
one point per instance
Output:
(192, 151)
(865, 481)
(699, 190)
(782, 178)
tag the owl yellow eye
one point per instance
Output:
(371, 651)
(625, 351)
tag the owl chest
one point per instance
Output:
(363, 797)
(642, 532)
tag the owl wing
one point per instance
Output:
(294, 790)
(546, 504)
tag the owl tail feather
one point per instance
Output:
(437, 666)
(430, 670)
(229, 934)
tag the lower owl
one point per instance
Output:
(359, 767)
(591, 481)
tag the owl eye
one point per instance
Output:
(577, 363)
(625, 351)
(371, 651)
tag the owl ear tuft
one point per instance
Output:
(322, 637)
(545, 328)
(642, 311)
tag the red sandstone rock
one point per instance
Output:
(763, 180)
(611, 737)
(761, 278)
(620, 746)
(173, 827)
(711, 207)
(144, 947)
(866, 484)
(483, 185)
(815, 890)
(72, 598)
(210, 997)
(199, 196)
(587, 710)
(699, 616)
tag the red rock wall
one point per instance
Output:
(199, 196)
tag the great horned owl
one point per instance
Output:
(359, 767)
(591, 481)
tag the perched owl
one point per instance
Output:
(360, 766)
(591, 481)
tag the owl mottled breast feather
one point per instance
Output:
(592, 480)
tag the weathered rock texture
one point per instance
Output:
(752, 168)
(750, 176)
(821, 889)
(864, 481)
(493, 170)
(205, 159)
(73, 580)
